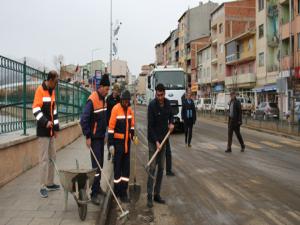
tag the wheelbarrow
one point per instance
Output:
(77, 182)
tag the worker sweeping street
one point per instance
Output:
(160, 124)
(120, 134)
(94, 125)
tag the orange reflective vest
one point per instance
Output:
(44, 110)
(121, 126)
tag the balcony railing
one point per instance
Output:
(273, 40)
(272, 68)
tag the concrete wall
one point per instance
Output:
(22, 153)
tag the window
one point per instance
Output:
(261, 5)
(261, 59)
(298, 40)
(221, 46)
(242, 70)
(220, 68)
(250, 68)
(220, 28)
(261, 31)
(208, 72)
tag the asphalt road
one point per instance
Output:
(257, 187)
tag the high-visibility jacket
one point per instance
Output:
(121, 126)
(93, 120)
(44, 109)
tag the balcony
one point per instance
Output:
(246, 78)
(214, 41)
(272, 11)
(232, 58)
(285, 31)
(273, 41)
(214, 59)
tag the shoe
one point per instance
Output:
(159, 200)
(43, 192)
(95, 200)
(189, 145)
(228, 151)
(53, 187)
(149, 201)
(243, 148)
(108, 156)
(170, 173)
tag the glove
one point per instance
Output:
(112, 150)
(135, 140)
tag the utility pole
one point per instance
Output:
(291, 61)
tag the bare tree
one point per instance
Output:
(58, 61)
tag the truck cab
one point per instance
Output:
(174, 80)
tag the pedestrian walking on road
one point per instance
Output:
(189, 116)
(234, 122)
(45, 111)
(94, 125)
(111, 101)
(160, 121)
(120, 134)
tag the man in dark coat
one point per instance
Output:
(234, 122)
(188, 114)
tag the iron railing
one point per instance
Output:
(18, 83)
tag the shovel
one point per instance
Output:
(134, 189)
(147, 167)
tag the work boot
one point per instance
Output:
(149, 201)
(43, 192)
(159, 200)
(189, 145)
(53, 187)
(95, 200)
(170, 173)
(228, 151)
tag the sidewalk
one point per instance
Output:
(20, 202)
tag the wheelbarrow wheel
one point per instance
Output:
(82, 208)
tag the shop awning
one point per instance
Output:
(266, 88)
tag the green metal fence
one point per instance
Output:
(18, 83)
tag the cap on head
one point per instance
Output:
(105, 80)
(125, 95)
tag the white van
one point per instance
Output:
(222, 102)
(204, 104)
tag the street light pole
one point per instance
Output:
(93, 50)
(111, 27)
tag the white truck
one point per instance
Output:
(222, 102)
(174, 80)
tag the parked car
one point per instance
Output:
(204, 104)
(222, 102)
(266, 110)
(246, 103)
(296, 112)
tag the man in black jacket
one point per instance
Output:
(160, 121)
(188, 114)
(234, 122)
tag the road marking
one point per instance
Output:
(210, 146)
(252, 145)
(271, 144)
(291, 143)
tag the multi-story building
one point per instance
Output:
(190, 29)
(174, 45)
(142, 79)
(289, 67)
(240, 62)
(204, 71)
(159, 54)
(267, 54)
(167, 51)
(228, 20)
(120, 71)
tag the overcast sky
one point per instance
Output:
(41, 29)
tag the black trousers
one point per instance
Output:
(98, 148)
(168, 157)
(121, 169)
(188, 130)
(232, 127)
